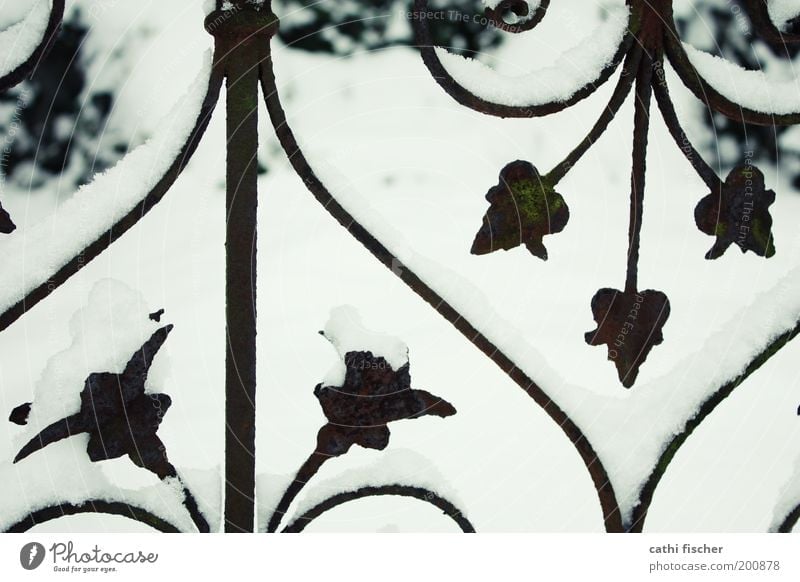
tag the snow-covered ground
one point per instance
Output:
(415, 164)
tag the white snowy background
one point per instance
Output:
(416, 165)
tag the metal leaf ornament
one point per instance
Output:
(20, 414)
(372, 395)
(7, 226)
(630, 324)
(118, 415)
(738, 214)
(524, 207)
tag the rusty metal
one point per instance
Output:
(28, 67)
(605, 491)
(790, 521)
(737, 213)
(372, 395)
(525, 19)
(424, 40)
(93, 506)
(242, 38)
(629, 323)
(763, 26)
(450, 510)
(7, 225)
(121, 419)
(118, 416)
(524, 207)
(734, 211)
(703, 411)
(20, 414)
(124, 224)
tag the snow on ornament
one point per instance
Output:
(524, 206)
(373, 391)
(7, 226)
(373, 395)
(120, 418)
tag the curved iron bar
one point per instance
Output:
(190, 503)
(127, 222)
(689, 76)
(521, 9)
(648, 491)
(307, 470)
(93, 506)
(661, 35)
(17, 75)
(241, 35)
(670, 117)
(424, 41)
(790, 521)
(446, 506)
(93, 250)
(621, 92)
(764, 27)
(695, 82)
(603, 487)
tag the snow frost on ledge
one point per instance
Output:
(788, 499)
(347, 334)
(111, 326)
(30, 256)
(393, 467)
(782, 11)
(19, 41)
(629, 431)
(573, 70)
(60, 477)
(751, 89)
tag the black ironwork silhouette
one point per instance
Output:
(242, 32)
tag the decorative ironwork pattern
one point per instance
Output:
(525, 206)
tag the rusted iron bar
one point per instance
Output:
(706, 173)
(92, 506)
(621, 91)
(705, 409)
(124, 224)
(789, 523)
(446, 506)
(603, 486)
(242, 34)
(28, 68)
(240, 287)
(641, 129)
(309, 468)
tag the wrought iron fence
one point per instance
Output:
(524, 207)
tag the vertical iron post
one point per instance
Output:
(242, 34)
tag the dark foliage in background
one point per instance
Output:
(56, 123)
(734, 40)
(58, 131)
(346, 26)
